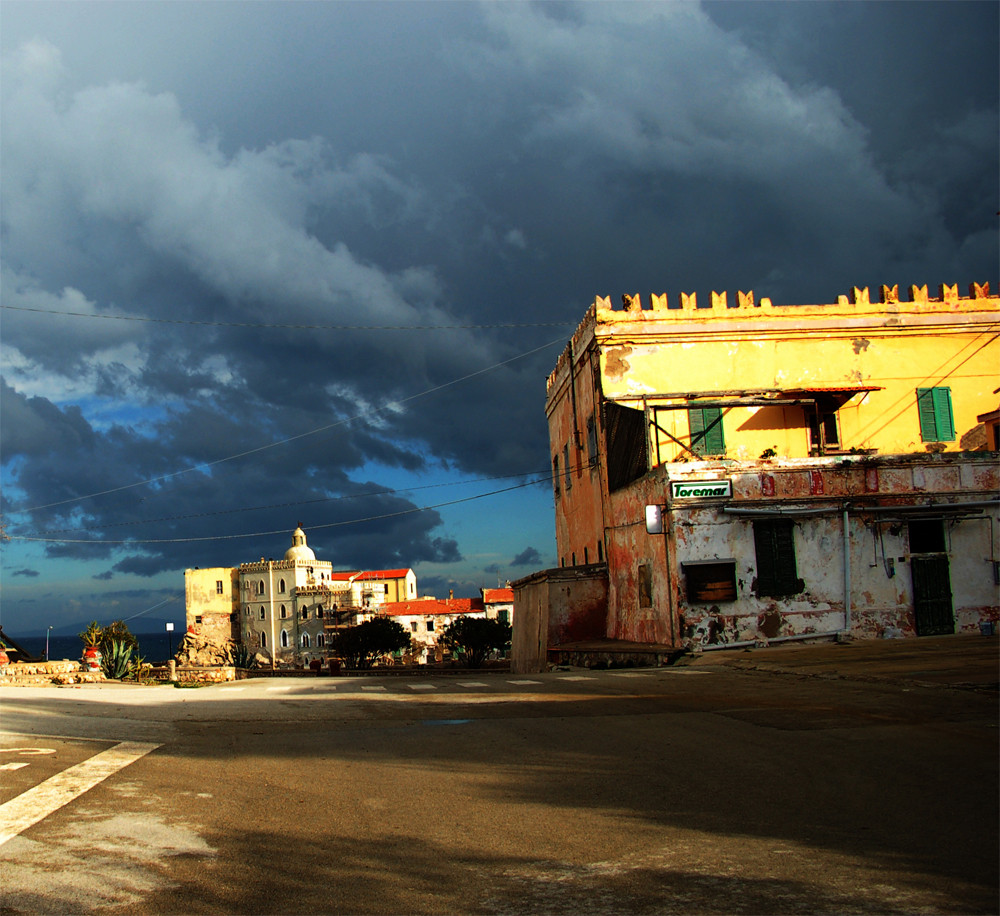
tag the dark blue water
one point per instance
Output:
(155, 648)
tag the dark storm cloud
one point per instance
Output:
(27, 573)
(527, 557)
(490, 164)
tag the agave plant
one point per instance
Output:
(116, 660)
(241, 657)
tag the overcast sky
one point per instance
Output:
(342, 245)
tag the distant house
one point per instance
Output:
(425, 619)
(499, 603)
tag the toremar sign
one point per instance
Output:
(701, 489)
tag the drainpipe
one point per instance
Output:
(847, 573)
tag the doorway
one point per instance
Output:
(932, 608)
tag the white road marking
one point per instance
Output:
(422, 687)
(471, 684)
(37, 803)
(627, 674)
(577, 677)
(523, 683)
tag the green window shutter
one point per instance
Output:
(774, 546)
(942, 410)
(937, 423)
(706, 430)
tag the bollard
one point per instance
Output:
(172, 670)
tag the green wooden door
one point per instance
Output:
(932, 596)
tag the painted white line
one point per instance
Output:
(422, 687)
(627, 674)
(471, 684)
(523, 683)
(39, 802)
(577, 677)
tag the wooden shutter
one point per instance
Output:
(626, 444)
(937, 423)
(706, 430)
(774, 543)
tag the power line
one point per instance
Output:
(385, 491)
(292, 327)
(370, 412)
(256, 534)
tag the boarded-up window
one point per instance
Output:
(645, 585)
(936, 421)
(591, 440)
(626, 442)
(710, 581)
(774, 543)
(706, 430)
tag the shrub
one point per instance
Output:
(359, 646)
(475, 638)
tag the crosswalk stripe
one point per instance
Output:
(38, 802)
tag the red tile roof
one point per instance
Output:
(498, 595)
(423, 607)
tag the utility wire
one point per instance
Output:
(385, 491)
(292, 327)
(370, 412)
(231, 537)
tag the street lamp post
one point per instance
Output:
(170, 641)
(49, 630)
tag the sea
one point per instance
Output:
(155, 648)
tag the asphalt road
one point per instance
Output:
(712, 788)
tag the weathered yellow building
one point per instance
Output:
(817, 413)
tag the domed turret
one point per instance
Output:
(299, 549)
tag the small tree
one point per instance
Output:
(118, 631)
(359, 646)
(476, 637)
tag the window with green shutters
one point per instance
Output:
(706, 430)
(937, 423)
(774, 545)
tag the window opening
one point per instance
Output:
(284, 639)
(218, 586)
(709, 581)
(927, 536)
(645, 585)
(774, 544)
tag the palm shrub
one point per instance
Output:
(116, 658)
(241, 657)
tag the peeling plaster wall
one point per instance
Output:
(202, 599)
